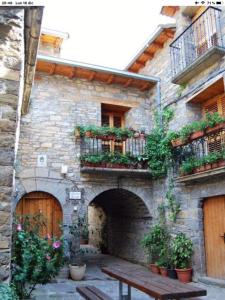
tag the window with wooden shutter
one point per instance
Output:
(217, 104)
(113, 119)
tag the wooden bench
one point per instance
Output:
(90, 292)
(156, 286)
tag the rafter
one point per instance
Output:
(148, 54)
(157, 45)
(73, 73)
(110, 79)
(169, 33)
(145, 86)
(92, 76)
(52, 69)
(128, 82)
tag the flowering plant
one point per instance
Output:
(36, 260)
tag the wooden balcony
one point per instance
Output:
(198, 47)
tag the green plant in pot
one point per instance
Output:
(153, 243)
(182, 250)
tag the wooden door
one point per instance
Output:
(46, 204)
(214, 229)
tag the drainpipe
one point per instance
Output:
(158, 100)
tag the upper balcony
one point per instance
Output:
(113, 151)
(198, 47)
(201, 155)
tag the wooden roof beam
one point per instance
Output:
(169, 33)
(145, 86)
(150, 55)
(73, 73)
(52, 69)
(110, 79)
(128, 82)
(92, 76)
(157, 45)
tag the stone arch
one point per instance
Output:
(126, 218)
(45, 180)
(45, 203)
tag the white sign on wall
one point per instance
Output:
(42, 160)
(75, 195)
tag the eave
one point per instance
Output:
(72, 69)
(169, 11)
(156, 42)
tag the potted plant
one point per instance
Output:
(153, 243)
(182, 250)
(77, 266)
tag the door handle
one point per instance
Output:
(223, 236)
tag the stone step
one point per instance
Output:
(212, 281)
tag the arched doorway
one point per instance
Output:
(46, 204)
(118, 220)
(214, 230)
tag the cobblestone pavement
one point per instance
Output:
(65, 289)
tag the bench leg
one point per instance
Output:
(124, 297)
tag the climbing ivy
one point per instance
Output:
(158, 146)
(172, 204)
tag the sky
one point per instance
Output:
(104, 32)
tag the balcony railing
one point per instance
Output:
(201, 154)
(196, 40)
(113, 154)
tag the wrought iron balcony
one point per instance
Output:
(201, 154)
(198, 47)
(102, 154)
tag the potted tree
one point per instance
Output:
(182, 250)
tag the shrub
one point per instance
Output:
(155, 243)
(182, 250)
(35, 260)
(7, 292)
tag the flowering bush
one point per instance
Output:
(7, 292)
(35, 259)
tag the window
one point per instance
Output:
(113, 116)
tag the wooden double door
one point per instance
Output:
(214, 229)
(47, 205)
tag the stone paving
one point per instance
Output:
(64, 289)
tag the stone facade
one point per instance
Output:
(190, 195)
(57, 105)
(129, 204)
(11, 66)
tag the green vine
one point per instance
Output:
(158, 147)
(172, 204)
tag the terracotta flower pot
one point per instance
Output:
(106, 137)
(208, 167)
(184, 275)
(83, 241)
(215, 128)
(221, 163)
(214, 165)
(177, 142)
(163, 271)
(196, 135)
(154, 268)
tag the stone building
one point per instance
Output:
(181, 66)
(19, 34)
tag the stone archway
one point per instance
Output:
(119, 219)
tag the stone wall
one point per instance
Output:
(57, 105)
(191, 197)
(11, 66)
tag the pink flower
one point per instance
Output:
(56, 244)
(48, 257)
(48, 236)
(18, 227)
